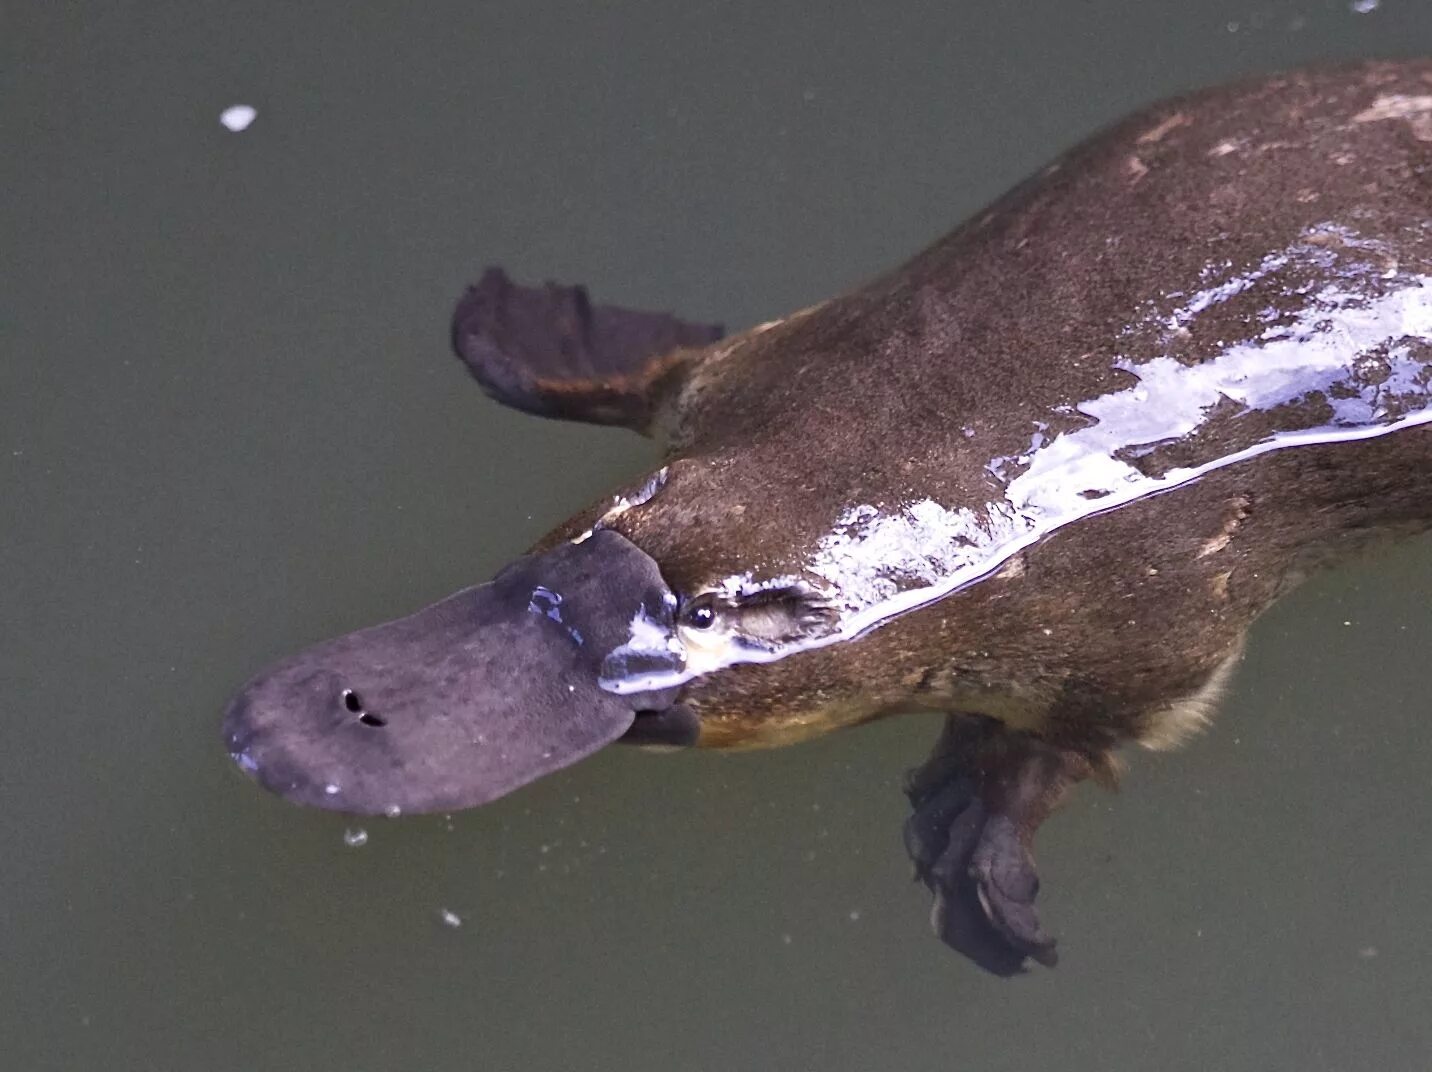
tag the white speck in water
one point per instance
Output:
(237, 117)
(1367, 952)
(855, 915)
(1233, 27)
(785, 939)
(392, 811)
(331, 789)
(355, 837)
(1362, 7)
(449, 918)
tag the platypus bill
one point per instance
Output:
(1042, 478)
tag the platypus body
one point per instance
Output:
(1042, 478)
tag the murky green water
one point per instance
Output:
(229, 426)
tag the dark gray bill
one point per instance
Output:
(463, 701)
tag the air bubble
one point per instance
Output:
(237, 117)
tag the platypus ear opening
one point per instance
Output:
(782, 614)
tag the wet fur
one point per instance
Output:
(1122, 626)
(1180, 235)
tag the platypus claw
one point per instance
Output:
(976, 803)
(982, 877)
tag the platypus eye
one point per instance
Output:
(700, 613)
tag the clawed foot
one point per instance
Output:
(968, 839)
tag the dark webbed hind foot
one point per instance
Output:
(977, 802)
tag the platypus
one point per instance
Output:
(1042, 478)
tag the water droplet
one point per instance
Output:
(331, 789)
(237, 117)
(355, 837)
(449, 918)
(1362, 7)
(392, 811)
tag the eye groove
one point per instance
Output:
(763, 617)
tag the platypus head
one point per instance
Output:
(472, 697)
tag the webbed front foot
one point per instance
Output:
(977, 802)
(548, 350)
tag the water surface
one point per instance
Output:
(229, 427)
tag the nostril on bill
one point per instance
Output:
(354, 703)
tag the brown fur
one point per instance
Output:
(1121, 626)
